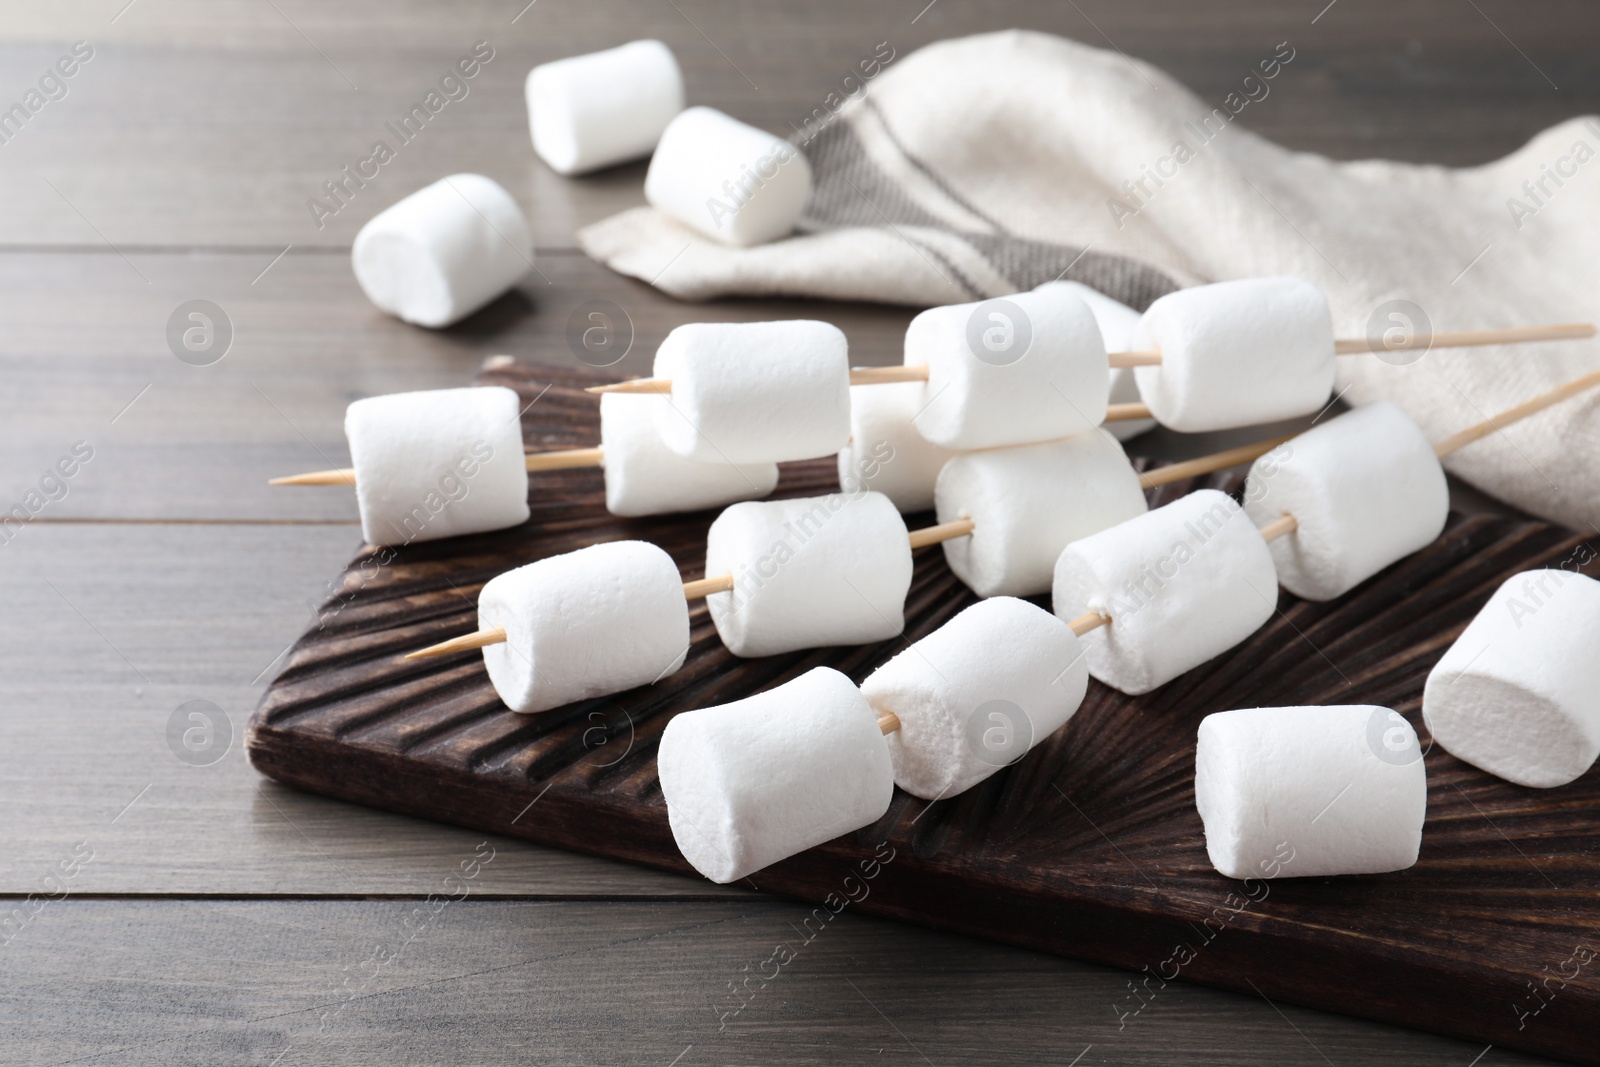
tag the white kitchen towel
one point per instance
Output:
(983, 165)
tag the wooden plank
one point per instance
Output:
(1090, 846)
(108, 632)
(220, 119)
(299, 982)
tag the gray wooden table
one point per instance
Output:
(167, 913)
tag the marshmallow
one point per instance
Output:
(1010, 371)
(729, 181)
(756, 781)
(1237, 353)
(444, 251)
(645, 477)
(1518, 694)
(1119, 324)
(809, 573)
(1181, 584)
(590, 111)
(976, 694)
(599, 620)
(886, 453)
(1365, 489)
(755, 392)
(437, 463)
(1308, 792)
(1027, 504)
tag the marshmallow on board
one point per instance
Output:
(599, 620)
(645, 477)
(1119, 326)
(1010, 371)
(590, 111)
(1180, 584)
(756, 781)
(727, 180)
(977, 694)
(1310, 791)
(1028, 503)
(1518, 694)
(1366, 489)
(1237, 353)
(886, 452)
(755, 392)
(437, 463)
(809, 573)
(444, 251)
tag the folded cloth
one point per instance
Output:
(985, 165)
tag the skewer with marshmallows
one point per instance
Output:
(1188, 581)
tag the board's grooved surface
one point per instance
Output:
(1089, 847)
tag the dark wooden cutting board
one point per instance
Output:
(1089, 847)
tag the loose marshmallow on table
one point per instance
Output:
(756, 781)
(591, 111)
(599, 620)
(1119, 325)
(1237, 353)
(977, 693)
(809, 573)
(437, 463)
(1297, 792)
(1027, 504)
(1365, 489)
(1518, 694)
(645, 477)
(755, 392)
(1181, 584)
(444, 251)
(729, 181)
(1015, 370)
(886, 452)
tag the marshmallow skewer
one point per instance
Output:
(1344, 346)
(923, 538)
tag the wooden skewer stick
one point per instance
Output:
(1531, 407)
(1343, 346)
(1282, 526)
(1176, 472)
(535, 462)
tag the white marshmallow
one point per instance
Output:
(1309, 792)
(809, 573)
(590, 111)
(886, 452)
(1181, 584)
(1237, 353)
(1010, 371)
(729, 181)
(437, 463)
(1119, 325)
(1027, 504)
(599, 620)
(645, 477)
(758, 780)
(1518, 694)
(976, 694)
(444, 251)
(1365, 489)
(755, 392)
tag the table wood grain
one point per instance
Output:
(219, 911)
